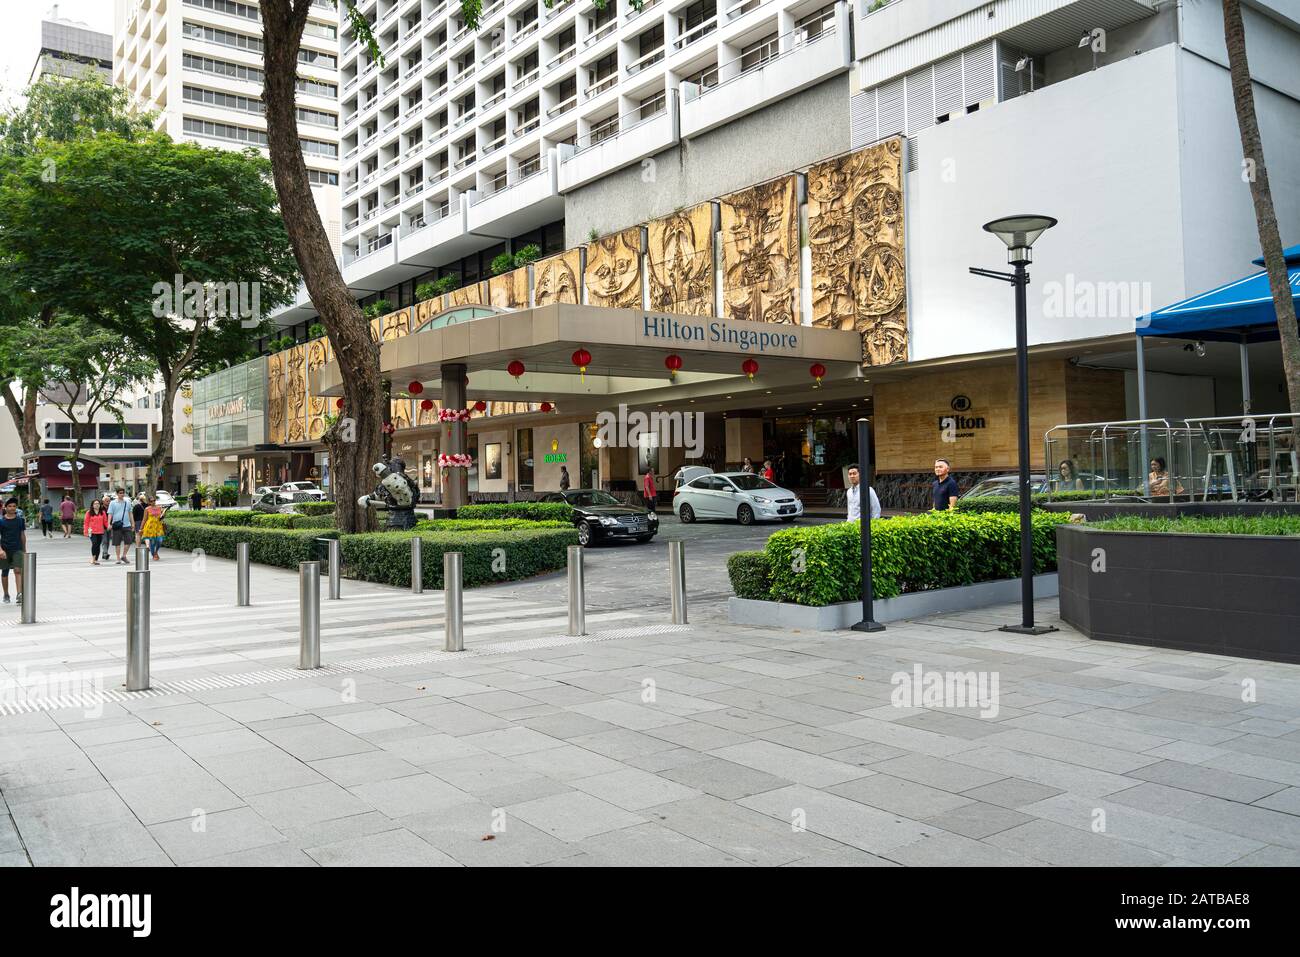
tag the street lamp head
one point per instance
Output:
(1019, 233)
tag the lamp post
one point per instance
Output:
(1019, 234)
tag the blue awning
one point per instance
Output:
(1241, 310)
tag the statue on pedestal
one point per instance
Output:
(396, 494)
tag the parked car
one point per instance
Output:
(265, 490)
(300, 492)
(165, 499)
(269, 501)
(600, 517)
(742, 496)
(689, 473)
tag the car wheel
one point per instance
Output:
(687, 514)
(745, 515)
(584, 533)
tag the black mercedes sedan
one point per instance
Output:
(600, 517)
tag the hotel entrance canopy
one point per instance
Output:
(627, 346)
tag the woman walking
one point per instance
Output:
(96, 529)
(151, 533)
(67, 512)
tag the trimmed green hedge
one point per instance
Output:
(750, 574)
(268, 546)
(1005, 504)
(485, 525)
(489, 556)
(908, 553)
(530, 511)
(291, 520)
(232, 516)
(1196, 525)
(314, 508)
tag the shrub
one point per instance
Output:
(527, 254)
(1010, 504)
(532, 511)
(908, 553)
(503, 263)
(314, 508)
(1207, 525)
(292, 520)
(750, 574)
(316, 331)
(269, 546)
(240, 516)
(484, 525)
(386, 556)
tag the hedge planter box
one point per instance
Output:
(920, 604)
(1222, 594)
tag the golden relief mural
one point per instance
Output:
(396, 324)
(401, 413)
(760, 253)
(509, 290)
(319, 353)
(557, 279)
(680, 262)
(855, 229)
(613, 273)
(427, 416)
(296, 425)
(275, 397)
(471, 295)
(424, 311)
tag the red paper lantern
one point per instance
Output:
(338, 403)
(673, 363)
(480, 406)
(516, 368)
(426, 404)
(415, 387)
(749, 367)
(546, 407)
(582, 358)
(817, 370)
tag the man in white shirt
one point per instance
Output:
(854, 495)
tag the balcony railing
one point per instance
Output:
(769, 52)
(526, 79)
(523, 129)
(650, 59)
(600, 34)
(464, 161)
(390, 203)
(617, 125)
(559, 108)
(741, 9)
(492, 54)
(494, 99)
(633, 14)
(556, 10)
(379, 242)
(606, 84)
(564, 56)
(699, 31)
(464, 118)
(527, 30)
(495, 145)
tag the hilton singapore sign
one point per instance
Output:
(718, 332)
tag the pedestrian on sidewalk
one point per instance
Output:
(137, 514)
(747, 465)
(564, 478)
(47, 519)
(768, 472)
(107, 544)
(648, 490)
(67, 512)
(943, 490)
(196, 500)
(853, 495)
(95, 527)
(151, 533)
(13, 542)
(119, 520)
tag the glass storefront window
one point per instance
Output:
(524, 456)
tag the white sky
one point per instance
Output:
(20, 39)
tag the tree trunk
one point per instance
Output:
(24, 417)
(1270, 241)
(356, 439)
(76, 472)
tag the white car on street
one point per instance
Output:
(300, 492)
(742, 496)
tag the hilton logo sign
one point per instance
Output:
(958, 426)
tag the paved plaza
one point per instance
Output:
(643, 743)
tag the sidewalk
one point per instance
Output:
(642, 743)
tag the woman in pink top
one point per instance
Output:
(648, 490)
(95, 527)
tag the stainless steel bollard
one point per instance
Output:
(137, 631)
(29, 588)
(677, 581)
(336, 570)
(453, 601)
(577, 593)
(241, 574)
(142, 558)
(308, 615)
(417, 566)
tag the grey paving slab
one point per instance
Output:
(935, 772)
(573, 817)
(725, 779)
(746, 834)
(1011, 792)
(483, 835)
(414, 794)
(633, 789)
(221, 833)
(1058, 844)
(838, 818)
(798, 766)
(652, 845)
(900, 796)
(178, 795)
(309, 804)
(978, 820)
(398, 848)
(1208, 780)
(258, 772)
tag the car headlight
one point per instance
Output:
(653, 517)
(762, 501)
(609, 521)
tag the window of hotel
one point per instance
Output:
(228, 38)
(706, 76)
(566, 39)
(651, 40)
(229, 7)
(316, 59)
(317, 118)
(697, 13)
(524, 456)
(653, 105)
(567, 90)
(604, 68)
(471, 448)
(228, 101)
(603, 17)
(756, 54)
(314, 29)
(322, 178)
(815, 23)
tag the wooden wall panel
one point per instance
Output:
(613, 272)
(680, 262)
(509, 290)
(760, 252)
(558, 279)
(855, 230)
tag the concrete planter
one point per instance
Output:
(1222, 594)
(921, 604)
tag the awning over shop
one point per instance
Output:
(1238, 311)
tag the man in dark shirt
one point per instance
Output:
(944, 489)
(13, 541)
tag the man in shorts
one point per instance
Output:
(119, 522)
(13, 542)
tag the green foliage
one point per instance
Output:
(1206, 525)
(224, 496)
(381, 307)
(750, 574)
(280, 344)
(425, 291)
(241, 516)
(444, 285)
(291, 520)
(64, 109)
(532, 511)
(268, 546)
(316, 331)
(592, 235)
(527, 254)
(314, 508)
(503, 263)
(908, 553)
(484, 525)
(876, 5)
(386, 556)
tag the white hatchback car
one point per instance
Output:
(300, 492)
(742, 496)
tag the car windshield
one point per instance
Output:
(750, 483)
(586, 499)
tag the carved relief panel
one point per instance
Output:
(855, 229)
(275, 397)
(557, 279)
(613, 273)
(509, 290)
(296, 389)
(471, 295)
(680, 261)
(319, 353)
(760, 252)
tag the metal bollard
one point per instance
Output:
(241, 574)
(308, 615)
(142, 558)
(453, 601)
(577, 593)
(137, 631)
(677, 581)
(29, 588)
(417, 566)
(336, 571)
